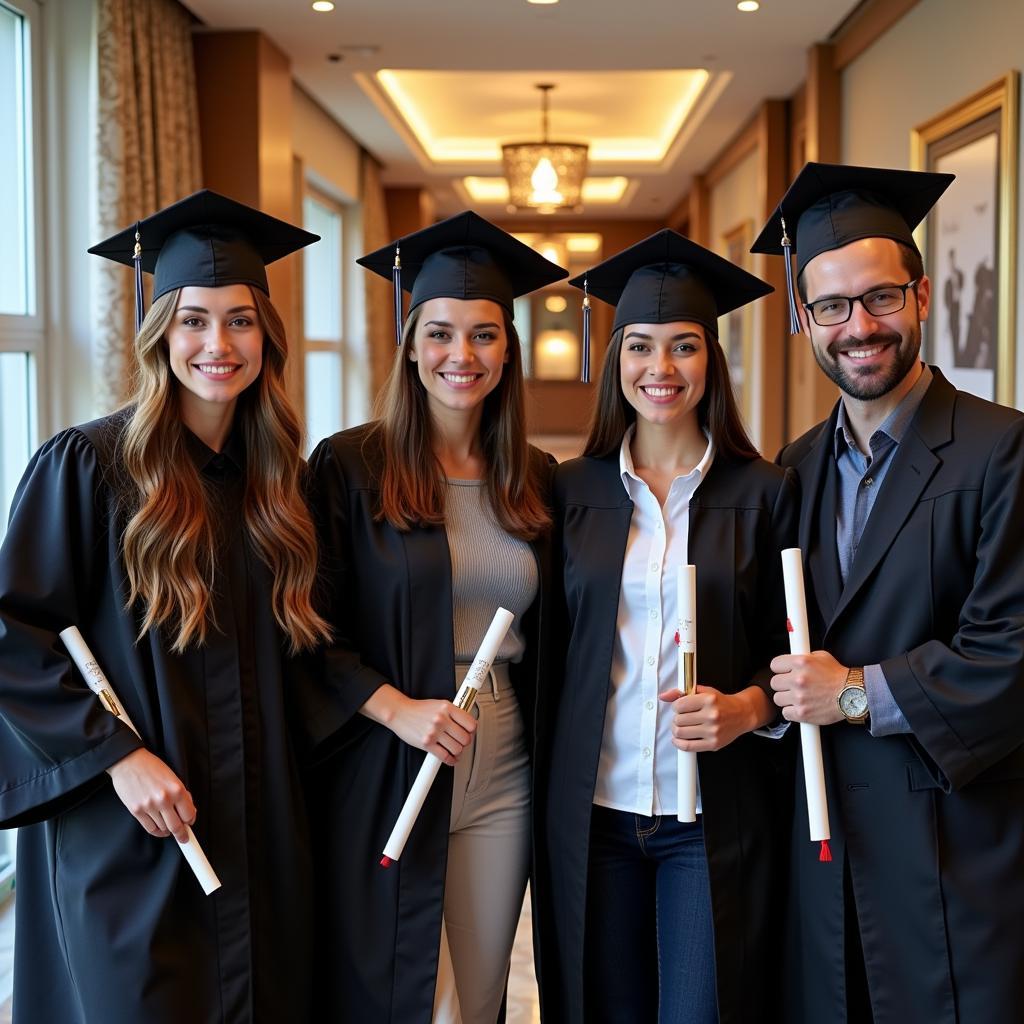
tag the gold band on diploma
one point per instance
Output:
(468, 699)
(689, 673)
(110, 703)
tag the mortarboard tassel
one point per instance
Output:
(396, 283)
(139, 295)
(585, 368)
(824, 852)
(787, 251)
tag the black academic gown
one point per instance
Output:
(391, 606)
(742, 515)
(931, 825)
(112, 927)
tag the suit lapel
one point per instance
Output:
(913, 466)
(818, 518)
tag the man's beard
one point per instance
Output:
(871, 385)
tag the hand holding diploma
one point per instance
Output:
(810, 735)
(465, 699)
(135, 774)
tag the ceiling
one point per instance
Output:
(434, 87)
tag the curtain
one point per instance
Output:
(146, 157)
(380, 331)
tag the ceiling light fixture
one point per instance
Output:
(747, 5)
(544, 176)
(540, 3)
(323, 5)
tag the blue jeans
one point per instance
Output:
(649, 951)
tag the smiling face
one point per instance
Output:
(870, 355)
(215, 347)
(663, 370)
(460, 348)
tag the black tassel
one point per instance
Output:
(139, 295)
(396, 284)
(585, 368)
(787, 255)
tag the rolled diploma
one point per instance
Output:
(100, 685)
(464, 699)
(686, 682)
(810, 735)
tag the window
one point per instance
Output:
(21, 328)
(323, 317)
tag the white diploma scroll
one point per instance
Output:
(810, 735)
(464, 699)
(686, 683)
(99, 684)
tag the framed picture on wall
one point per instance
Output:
(737, 337)
(969, 240)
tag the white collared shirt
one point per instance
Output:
(637, 768)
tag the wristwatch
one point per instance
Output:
(853, 698)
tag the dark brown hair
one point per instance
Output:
(412, 484)
(716, 412)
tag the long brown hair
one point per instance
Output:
(169, 542)
(717, 411)
(412, 484)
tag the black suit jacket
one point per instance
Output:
(931, 824)
(742, 515)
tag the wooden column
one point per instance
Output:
(773, 152)
(810, 394)
(244, 88)
(410, 208)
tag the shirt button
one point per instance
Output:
(654, 613)
(647, 751)
(649, 705)
(650, 659)
(654, 566)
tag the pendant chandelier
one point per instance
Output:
(544, 176)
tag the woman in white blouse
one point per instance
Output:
(641, 917)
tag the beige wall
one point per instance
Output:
(329, 154)
(939, 53)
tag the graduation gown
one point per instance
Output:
(390, 602)
(930, 824)
(112, 927)
(742, 515)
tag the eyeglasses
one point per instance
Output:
(878, 302)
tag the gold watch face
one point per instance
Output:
(853, 702)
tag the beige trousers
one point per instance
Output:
(488, 860)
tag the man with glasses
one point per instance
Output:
(911, 524)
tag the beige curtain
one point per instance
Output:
(147, 156)
(380, 319)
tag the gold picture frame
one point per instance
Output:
(737, 331)
(971, 328)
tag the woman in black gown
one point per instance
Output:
(174, 535)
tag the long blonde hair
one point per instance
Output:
(412, 485)
(169, 544)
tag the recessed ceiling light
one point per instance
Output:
(323, 5)
(555, 303)
(747, 5)
(542, 2)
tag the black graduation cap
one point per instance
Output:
(830, 205)
(463, 257)
(665, 278)
(204, 239)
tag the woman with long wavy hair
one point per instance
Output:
(643, 913)
(432, 517)
(174, 535)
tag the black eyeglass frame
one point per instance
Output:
(851, 299)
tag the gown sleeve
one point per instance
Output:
(55, 737)
(781, 533)
(346, 682)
